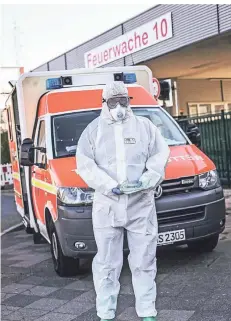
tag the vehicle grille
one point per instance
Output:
(180, 185)
(180, 216)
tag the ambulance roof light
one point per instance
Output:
(127, 78)
(57, 83)
(53, 83)
(130, 78)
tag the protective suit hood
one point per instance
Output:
(114, 89)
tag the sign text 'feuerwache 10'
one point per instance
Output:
(137, 39)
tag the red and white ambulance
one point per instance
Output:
(48, 111)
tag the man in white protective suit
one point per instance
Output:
(123, 158)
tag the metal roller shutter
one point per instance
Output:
(191, 23)
(225, 17)
(57, 63)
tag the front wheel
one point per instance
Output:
(205, 245)
(63, 265)
(29, 230)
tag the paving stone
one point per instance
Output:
(52, 316)
(47, 304)
(65, 294)
(175, 315)
(90, 315)
(79, 305)
(31, 262)
(16, 288)
(129, 314)
(6, 310)
(126, 289)
(168, 303)
(126, 279)
(88, 297)
(8, 279)
(217, 303)
(190, 287)
(57, 282)
(125, 301)
(15, 258)
(25, 314)
(17, 246)
(21, 300)
(160, 277)
(36, 280)
(5, 296)
(173, 290)
(209, 316)
(40, 290)
(80, 285)
(14, 270)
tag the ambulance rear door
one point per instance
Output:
(14, 134)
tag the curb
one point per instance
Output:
(13, 228)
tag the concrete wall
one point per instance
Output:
(201, 90)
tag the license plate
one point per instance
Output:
(171, 237)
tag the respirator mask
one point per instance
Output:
(118, 107)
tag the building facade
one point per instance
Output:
(189, 44)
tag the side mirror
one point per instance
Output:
(193, 133)
(27, 152)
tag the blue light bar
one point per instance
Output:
(53, 83)
(129, 78)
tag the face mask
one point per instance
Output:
(118, 113)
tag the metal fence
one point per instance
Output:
(215, 132)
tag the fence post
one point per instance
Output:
(226, 146)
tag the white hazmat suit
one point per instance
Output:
(110, 151)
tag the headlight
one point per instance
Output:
(209, 180)
(75, 196)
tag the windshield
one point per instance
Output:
(67, 128)
(164, 123)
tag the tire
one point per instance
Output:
(38, 239)
(63, 265)
(205, 245)
(29, 230)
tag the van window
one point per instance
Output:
(67, 128)
(164, 123)
(41, 142)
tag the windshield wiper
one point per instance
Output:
(72, 152)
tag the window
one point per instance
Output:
(67, 128)
(41, 142)
(204, 109)
(193, 110)
(164, 123)
(228, 107)
(218, 108)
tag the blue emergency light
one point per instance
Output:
(57, 83)
(129, 78)
(53, 83)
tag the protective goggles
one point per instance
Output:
(114, 101)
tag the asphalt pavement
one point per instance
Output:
(191, 287)
(9, 216)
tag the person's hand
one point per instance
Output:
(117, 191)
